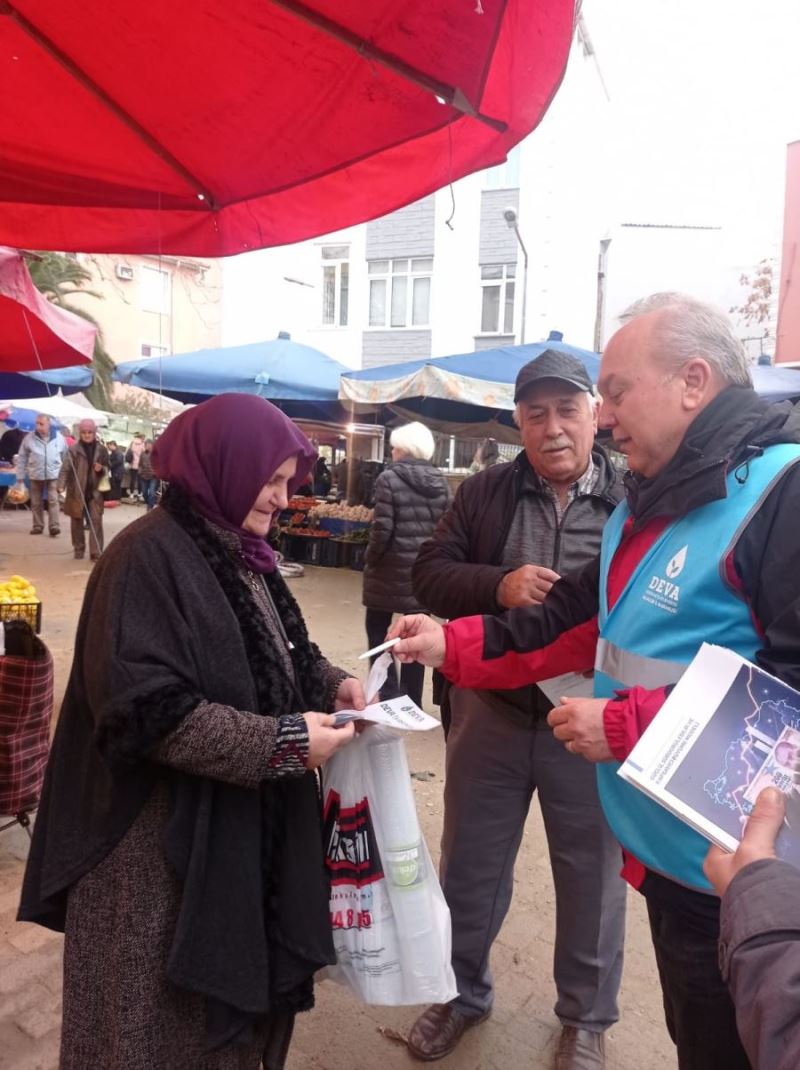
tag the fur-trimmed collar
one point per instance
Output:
(275, 691)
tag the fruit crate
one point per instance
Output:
(335, 553)
(304, 548)
(28, 611)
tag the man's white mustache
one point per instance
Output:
(561, 444)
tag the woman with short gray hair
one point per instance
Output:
(410, 497)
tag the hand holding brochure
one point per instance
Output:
(727, 731)
(399, 712)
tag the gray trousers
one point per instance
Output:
(494, 766)
(37, 509)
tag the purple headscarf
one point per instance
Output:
(222, 452)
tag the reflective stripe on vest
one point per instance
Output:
(677, 597)
(635, 670)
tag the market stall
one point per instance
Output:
(330, 534)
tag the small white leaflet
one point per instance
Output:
(399, 713)
(568, 685)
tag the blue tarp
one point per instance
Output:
(461, 394)
(43, 384)
(280, 370)
(776, 383)
(498, 365)
(25, 420)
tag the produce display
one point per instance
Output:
(18, 591)
(301, 503)
(339, 511)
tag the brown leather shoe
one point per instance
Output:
(438, 1030)
(580, 1049)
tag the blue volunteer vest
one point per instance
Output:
(676, 599)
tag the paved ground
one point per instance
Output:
(341, 1034)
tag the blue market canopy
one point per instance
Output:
(468, 394)
(484, 379)
(294, 375)
(43, 384)
(776, 383)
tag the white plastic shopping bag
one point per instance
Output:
(390, 921)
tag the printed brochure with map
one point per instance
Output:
(727, 730)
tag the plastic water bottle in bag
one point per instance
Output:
(405, 861)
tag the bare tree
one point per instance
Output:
(756, 309)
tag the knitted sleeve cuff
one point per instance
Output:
(290, 755)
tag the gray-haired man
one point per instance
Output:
(40, 457)
(511, 531)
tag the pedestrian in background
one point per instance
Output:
(82, 481)
(134, 452)
(116, 461)
(410, 497)
(148, 482)
(40, 459)
(486, 455)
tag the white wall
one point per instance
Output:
(258, 301)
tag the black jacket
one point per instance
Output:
(458, 571)
(410, 497)
(117, 463)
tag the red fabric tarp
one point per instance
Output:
(289, 120)
(34, 333)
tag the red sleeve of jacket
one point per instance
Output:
(525, 645)
(626, 717)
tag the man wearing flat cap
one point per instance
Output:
(512, 530)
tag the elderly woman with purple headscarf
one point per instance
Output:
(179, 841)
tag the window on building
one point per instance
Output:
(154, 288)
(400, 292)
(497, 306)
(506, 174)
(335, 285)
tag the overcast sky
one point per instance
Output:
(705, 97)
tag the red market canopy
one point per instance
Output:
(34, 333)
(198, 128)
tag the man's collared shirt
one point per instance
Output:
(585, 484)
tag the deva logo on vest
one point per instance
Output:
(663, 591)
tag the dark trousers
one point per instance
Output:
(412, 676)
(697, 1005)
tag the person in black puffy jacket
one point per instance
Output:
(410, 497)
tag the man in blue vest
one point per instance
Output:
(704, 548)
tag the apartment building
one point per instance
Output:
(152, 305)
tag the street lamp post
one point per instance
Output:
(512, 222)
